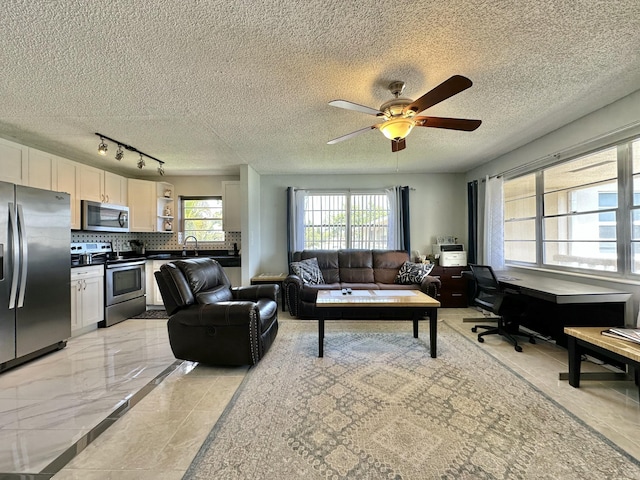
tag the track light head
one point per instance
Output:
(161, 170)
(119, 153)
(102, 147)
(141, 162)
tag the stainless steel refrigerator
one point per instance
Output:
(35, 298)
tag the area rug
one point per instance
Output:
(153, 314)
(377, 406)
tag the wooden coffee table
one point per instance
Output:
(415, 301)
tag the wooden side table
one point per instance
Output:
(278, 279)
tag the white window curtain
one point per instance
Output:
(296, 219)
(395, 235)
(493, 252)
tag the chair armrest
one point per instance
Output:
(430, 286)
(217, 314)
(292, 287)
(255, 292)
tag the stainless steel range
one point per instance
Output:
(124, 282)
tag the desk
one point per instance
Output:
(553, 304)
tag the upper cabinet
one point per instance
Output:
(14, 163)
(65, 180)
(101, 186)
(231, 207)
(115, 189)
(41, 169)
(90, 183)
(142, 205)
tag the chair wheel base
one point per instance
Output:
(474, 329)
(518, 348)
(481, 340)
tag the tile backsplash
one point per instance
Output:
(152, 241)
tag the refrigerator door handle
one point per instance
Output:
(25, 257)
(15, 271)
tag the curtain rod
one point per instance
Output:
(557, 155)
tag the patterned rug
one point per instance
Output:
(153, 314)
(377, 406)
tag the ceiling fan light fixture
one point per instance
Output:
(397, 128)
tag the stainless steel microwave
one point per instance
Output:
(104, 217)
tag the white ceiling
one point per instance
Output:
(207, 85)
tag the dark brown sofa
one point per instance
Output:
(355, 269)
(212, 322)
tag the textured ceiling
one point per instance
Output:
(207, 85)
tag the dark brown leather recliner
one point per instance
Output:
(212, 322)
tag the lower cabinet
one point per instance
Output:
(153, 292)
(87, 298)
(453, 292)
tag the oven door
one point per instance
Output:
(124, 282)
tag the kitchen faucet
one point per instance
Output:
(184, 246)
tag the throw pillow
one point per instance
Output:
(309, 271)
(413, 272)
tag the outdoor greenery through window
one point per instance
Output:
(346, 220)
(582, 214)
(202, 218)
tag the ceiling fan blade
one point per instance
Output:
(446, 89)
(351, 135)
(450, 123)
(355, 107)
(397, 145)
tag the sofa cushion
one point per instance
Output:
(356, 266)
(327, 261)
(413, 272)
(309, 271)
(387, 263)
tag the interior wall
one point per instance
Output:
(252, 248)
(437, 207)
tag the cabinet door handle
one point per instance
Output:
(79, 285)
(456, 294)
(84, 284)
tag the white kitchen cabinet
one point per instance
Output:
(14, 163)
(90, 183)
(154, 298)
(115, 189)
(142, 205)
(41, 169)
(87, 298)
(65, 180)
(231, 207)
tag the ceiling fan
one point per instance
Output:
(399, 115)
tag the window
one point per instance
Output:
(580, 222)
(345, 220)
(202, 218)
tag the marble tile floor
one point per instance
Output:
(54, 401)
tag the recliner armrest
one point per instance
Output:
(430, 285)
(255, 292)
(218, 314)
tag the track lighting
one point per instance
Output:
(102, 147)
(102, 150)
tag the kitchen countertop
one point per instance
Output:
(221, 256)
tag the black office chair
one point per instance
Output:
(507, 306)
